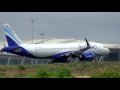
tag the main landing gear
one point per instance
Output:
(59, 61)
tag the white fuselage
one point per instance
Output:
(45, 50)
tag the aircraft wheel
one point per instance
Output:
(51, 61)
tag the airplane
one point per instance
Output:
(62, 53)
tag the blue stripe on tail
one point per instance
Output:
(11, 42)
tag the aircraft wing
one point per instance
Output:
(78, 52)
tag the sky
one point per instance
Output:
(102, 27)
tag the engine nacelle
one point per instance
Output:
(87, 56)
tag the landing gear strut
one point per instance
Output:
(81, 58)
(51, 61)
(63, 60)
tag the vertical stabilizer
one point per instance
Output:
(12, 38)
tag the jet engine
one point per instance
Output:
(87, 56)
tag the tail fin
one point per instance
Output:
(12, 38)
